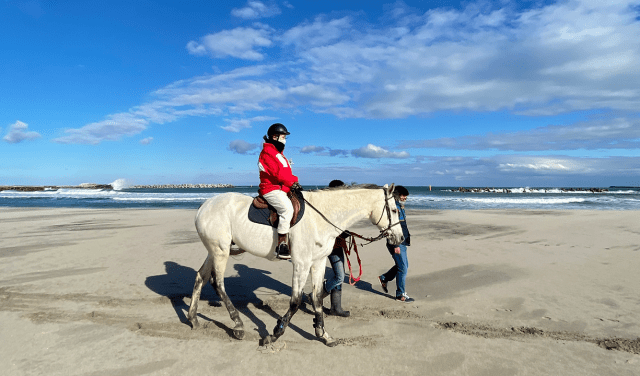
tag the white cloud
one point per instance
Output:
(146, 141)
(236, 125)
(240, 43)
(112, 129)
(495, 171)
(256, 9)
(318, 33)
(373, 151)
(241, 146)
(616, 133)
(18, 132)
(542, 164)
(546, 166)
(312, 149)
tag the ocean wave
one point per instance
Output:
(421, 198)
(417, 200)
(161, 199)
(62, 192)
(528, 190)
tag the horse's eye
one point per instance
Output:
(394, 211)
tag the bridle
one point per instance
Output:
(383, 233)
(352, 243)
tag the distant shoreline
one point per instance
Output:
(28, 188)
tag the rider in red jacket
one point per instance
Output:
(276, 180)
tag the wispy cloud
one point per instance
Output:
(146, 141)
(19, 132)
(557, 58)
(312, 149)
(256, 9)
(368, 151)
(373, 151)
(241, 146)
(112, 129)
(497, 171)
(236, 125)
(618, 133)
(240, 43)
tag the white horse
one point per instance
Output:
(223, 219)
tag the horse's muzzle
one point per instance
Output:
(393, 240)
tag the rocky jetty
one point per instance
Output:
(527, 190)
(26, 188)
(180, 186)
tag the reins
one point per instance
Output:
(347, 251)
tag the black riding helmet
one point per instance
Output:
(277, 129)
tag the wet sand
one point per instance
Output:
(510, 292)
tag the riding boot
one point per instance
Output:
(282, 249)
(336, 304)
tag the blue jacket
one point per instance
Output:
(403, 223)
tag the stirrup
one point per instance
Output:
(282, 252)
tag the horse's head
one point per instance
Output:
(385, 216)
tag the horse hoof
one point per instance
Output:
(267, 340)
(194, 324)
(238, 333)
(332, 343)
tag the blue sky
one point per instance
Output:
(444, 93)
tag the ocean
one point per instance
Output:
(424, 198)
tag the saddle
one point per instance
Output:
(261, 212)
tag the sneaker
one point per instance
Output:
(282, 252)
(404, 298)
(383, 284)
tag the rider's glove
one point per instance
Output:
(296, 187)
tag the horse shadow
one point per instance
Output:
(177, 284)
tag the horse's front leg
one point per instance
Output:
(300, 273)
(317, 275)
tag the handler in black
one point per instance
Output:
(333, 285)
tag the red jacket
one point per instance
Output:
(275, 171)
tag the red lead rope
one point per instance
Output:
(347, 251)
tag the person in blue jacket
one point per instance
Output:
(399, 252)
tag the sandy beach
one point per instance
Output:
(105, 292)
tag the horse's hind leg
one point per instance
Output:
(217, 280)
(203, 274)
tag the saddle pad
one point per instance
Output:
(261, 216)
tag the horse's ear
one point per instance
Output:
(393, 185)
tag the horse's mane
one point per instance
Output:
(347, 187)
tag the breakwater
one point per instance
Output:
(31, 188)
(527, 190)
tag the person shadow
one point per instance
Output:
(360, 285)
(368, 287)
(177, 284)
